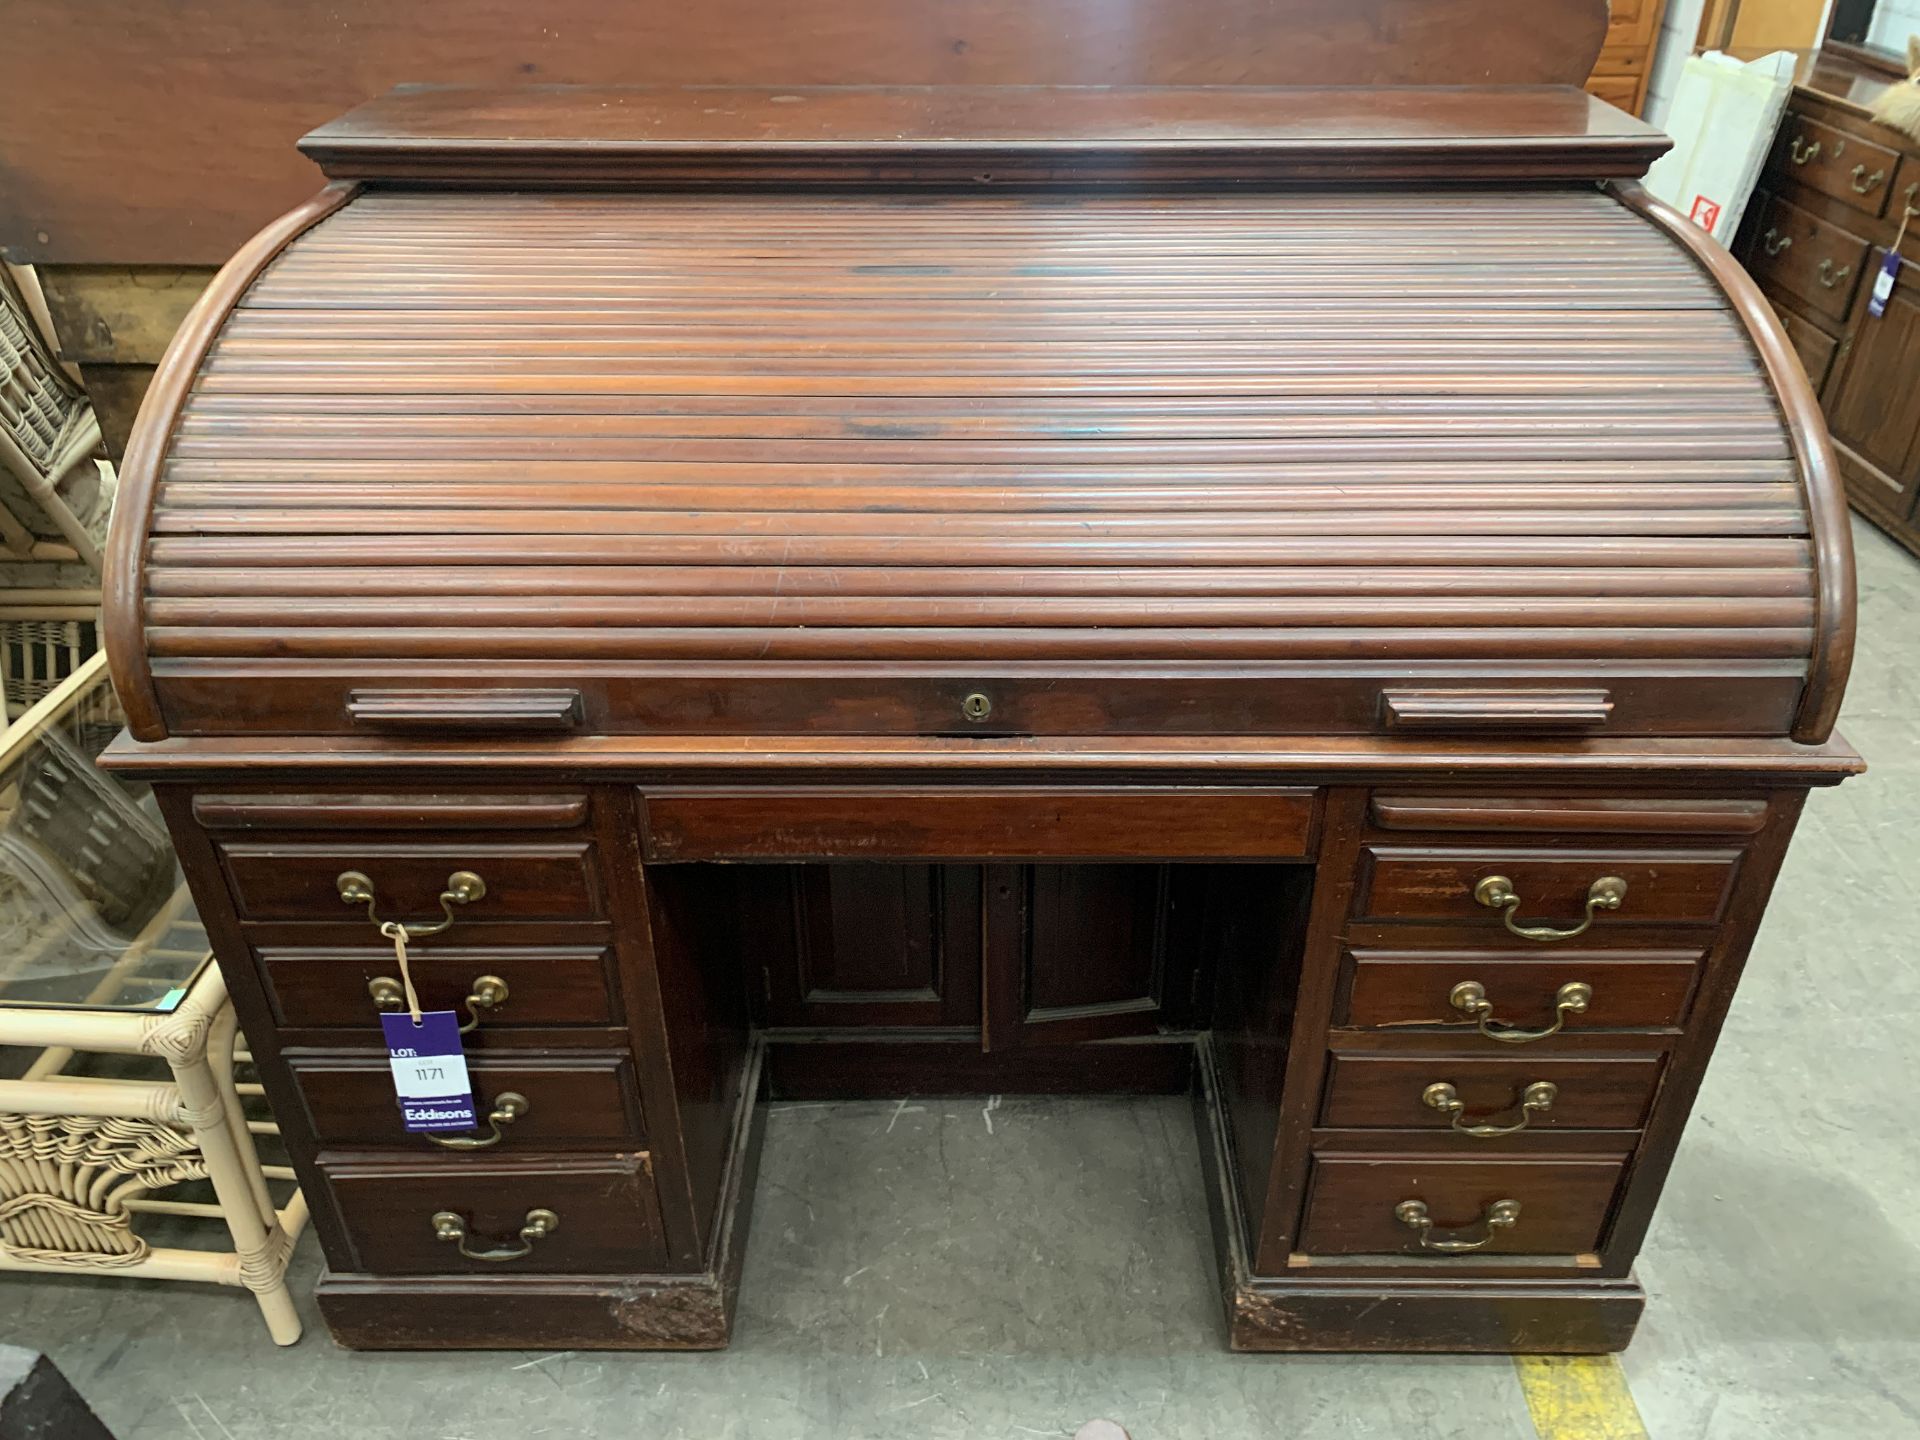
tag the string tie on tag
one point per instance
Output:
(397, 933)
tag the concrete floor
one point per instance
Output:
(949, 1269)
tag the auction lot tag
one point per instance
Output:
(430, 1071)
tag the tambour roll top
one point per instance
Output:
(847, 413)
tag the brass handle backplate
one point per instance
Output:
(1536, 1099)
(463, 888)
(1865, 186)
(1830, 277)
(1802, 152)
(1496, 892)
(450, 1226)
(1501, 1215)
(505, 1110)
(1469, 997)
(1773, 242)
(488, 993)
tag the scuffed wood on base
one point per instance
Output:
(520, 1312)
(510, 1312)
(1520, 1317)
(1443, 1314)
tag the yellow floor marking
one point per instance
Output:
(1578, 1397)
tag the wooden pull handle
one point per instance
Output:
(1497, 709)
(465, 710)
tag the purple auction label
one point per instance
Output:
(430, 1071)
(1883, 285)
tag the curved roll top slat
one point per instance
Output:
(764, 463)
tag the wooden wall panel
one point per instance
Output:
(163, 134)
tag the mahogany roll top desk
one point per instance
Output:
(1327, 600)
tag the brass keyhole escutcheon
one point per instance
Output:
(976, 706)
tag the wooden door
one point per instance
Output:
(1079, 952)
(868, 946)
(1870, 405)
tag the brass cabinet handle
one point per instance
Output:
(507, 1109)
(450, 1226)
(1536, 1099)
(1470, 998)
(1862, 187)
(1496, 892)
(1501, 1215)
(463, 888)
(487, 993)
(1773, 242)
(1830, 277)
(1802, 152)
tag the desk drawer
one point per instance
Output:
(822, 823)
(1367, 1205)
(571, 1102)
(331, 988)
(1807, 257)
(525, 880)
(1671, 887)
(607, 1216)
(1401, 1092)
(1853, 171)
(1628, 989)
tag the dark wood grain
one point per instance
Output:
(580, 1102)
(609, 1215)
(323, 987)
(1569, 815)
(1863, 366)
(1564, 1203)
(994, 630)
(722, 496)
(284, 880)
(875, 824)
(988, 136)
(1631, 990)
(257, 810)
(1385, 1091)
(152, 172)
(1668, 887)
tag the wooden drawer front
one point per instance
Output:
(1808, 258)
(1572, 814)
(1672, 887)
(1632, 990)
(1812, 344)
(1853, 171)
(327, 988)
(1351, 1206)
(829, 823)
(609, 1216)
(257, 811)
(581, 1100)
(524, 881)
(1389, 1091)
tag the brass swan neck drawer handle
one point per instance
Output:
(450, 1226)
(1803, 153)
(1536, 1099)
(1773, 242)
(1501, 1215)
(1469, 997)
(463, 888)
(488, 993)
(1496, 892)
(1864, 183)
(505, 1110)
(1830, 277)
